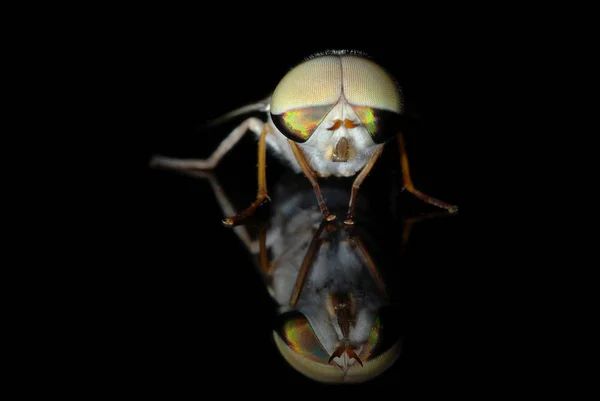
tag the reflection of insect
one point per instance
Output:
(337, 324)
(338, 317)
(329, 116)
(338, 320)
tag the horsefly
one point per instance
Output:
(331, 115)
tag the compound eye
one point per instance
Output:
(375, 97)
(299, 124)
(300, 346)
(305, 95)
(297, 334)
(382, 125)
(384, 339)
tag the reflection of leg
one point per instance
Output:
(309, 258)
(226, 206)
(408, 224)
(358, 181)
(408, 184)
(253, 124)
(261, 196)
(371, 264)
(301, 159)
(263, 255)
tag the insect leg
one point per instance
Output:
(366, 256)
(261, 196)
(259, 106)
(307, 262)
(227, 207)
(358, 181)
(408, 224)
(311, 177)
(253, 124)
(408, 184)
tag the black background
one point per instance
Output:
(193, 314)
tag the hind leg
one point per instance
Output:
(409, 186)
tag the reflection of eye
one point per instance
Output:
(299, 345)
(385, 332)
(381, 124)
(299, 124)
(299, 336)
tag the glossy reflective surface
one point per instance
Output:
(333, 303)
(200, 299)
(328, 279)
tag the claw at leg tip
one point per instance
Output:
(330, 217)
(228, 222)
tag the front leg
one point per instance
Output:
(358, 181)
(309, 173)
(409, 186)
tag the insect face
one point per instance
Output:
(338, 107)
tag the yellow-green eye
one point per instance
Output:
(300, 346)
(367, 84)
(309, 91)
(316, 82)
(372, 340)
(300, 338)
(381, 124)
(374, 96)
(305, 95)
(299, 124)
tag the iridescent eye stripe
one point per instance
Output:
(299, 124)
(301, 338)
(368, 118)
(381, 124)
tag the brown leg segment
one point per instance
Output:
(261, 196)
(307, 170)
(408, 184)
(309, 258)
(371, 264)
(358, 181)
(408, 224)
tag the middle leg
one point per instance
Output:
(261, 196)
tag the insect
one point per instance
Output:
(330, 115)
